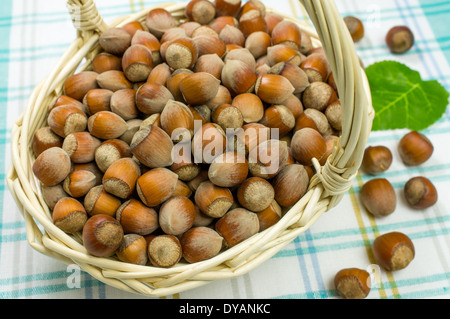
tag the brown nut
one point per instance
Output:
(43, 139)
(105, 61)
(150, 41)
(76, 86)
(273, 88)
(316, 67)
(255, 194)
(98, 201)
(177, 121)
(378, 196)
(352, 283)
(176, 215)
(279, 119)
(293, 73)
(393, 251)
(97, 100)
(164, 251)
(198, 88)
(81, 147)
(110, 151)
(228, 117)
(333, 113)
(237, 225)
(120, 178)
(228, 169)
(415, 148)
(200, 11)
(181, 53)
(270, 216)
(208, 142)
(152, 146)
(200, 243)
(400, 39)
(376, 160)
(355, 27)
(69, 215)
(156, 186)
(288, 33)
(238, 77)
(151, 98)
(210, 63)
(283, 53)
(115, 41)
(52, 166)
(268, 158)
(52, 194)
(272, 19)
(420, 192)
(113, 80)
(78, 183)
(227, 7)
(252, 21)
(209, 44)
(102, 235)
(307, 144)
(66, 119)
(159, 20)
(133, 250)
(106, 125)
(137, 63)
(250, 105)
(318, 96)
(137, 218)
(123, 103)
(290, 184)
(159, 74)
(183, 163)
(258, 43)
(230, 34)
(212, 200)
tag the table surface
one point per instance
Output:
(34, 35)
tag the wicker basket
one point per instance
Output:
(327, 187)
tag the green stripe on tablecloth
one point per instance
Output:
(440, 29)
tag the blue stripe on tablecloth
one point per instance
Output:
(6, 10)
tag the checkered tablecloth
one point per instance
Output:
(35, 33)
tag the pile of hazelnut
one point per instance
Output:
(187, 137)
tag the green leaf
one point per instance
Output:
(401, 99)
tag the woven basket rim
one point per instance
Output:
(233, 262)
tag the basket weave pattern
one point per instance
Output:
(326, 189)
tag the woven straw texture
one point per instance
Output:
(326, 189)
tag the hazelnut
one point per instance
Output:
(242, 54)
(177, 121)
(252, 21)
(159, 74)
(415, 148)
(120, 178)
(320, 120)
(393, 251)
(237, 225)
(318, 96)
(97, 100)
(293, 73)
(52, 166)
(258, 43)
(352, 283)
(81, 147)
(150, 41)
(270, 216)
(290, 184)
(227, 7)
(238, 77)
(378, 196)
(67, 100)
(212, 200)
(273, 88)
(355, 27)
(267, 159)
(156, 186)
(280, 118)
(376, 160)
(182, 189)
(307, 144)
(76, 86)
(133, 250)
(106, 125)
(200, 243)
(177, 215)
(78, 183)
(210, 63)
(123, 103)
(333, 112)
(231, 34)
(282, 53)
(52, 194)
(208, 142)
(105, 61)
(159, 20)
(181, 53)
(316, 67)
(399, 39)
(115, 41)
(164, 251)
(250, 105)
(223, 96)
(228, 116)
(228, 169)
(183, 164)
(69, 215)
(66, 119)
(288, 33)
(98, 201)
(209, 44)
(137, 218)
(272, 19)
(44, 138)
(420, 192)
(152, 146)
(110, 151)
(152, 98)
(255, 194)
(200, 11)
(198, 88)
(132, 27)
(113, 80)
(102, 235)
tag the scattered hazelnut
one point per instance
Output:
(420, 192)
(376, 160)
(399, 39)
(352, 283)
(415, 148)
(355, 27)
(393, 251)
(378, 196)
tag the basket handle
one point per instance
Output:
(85, 17)
(337, 174)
